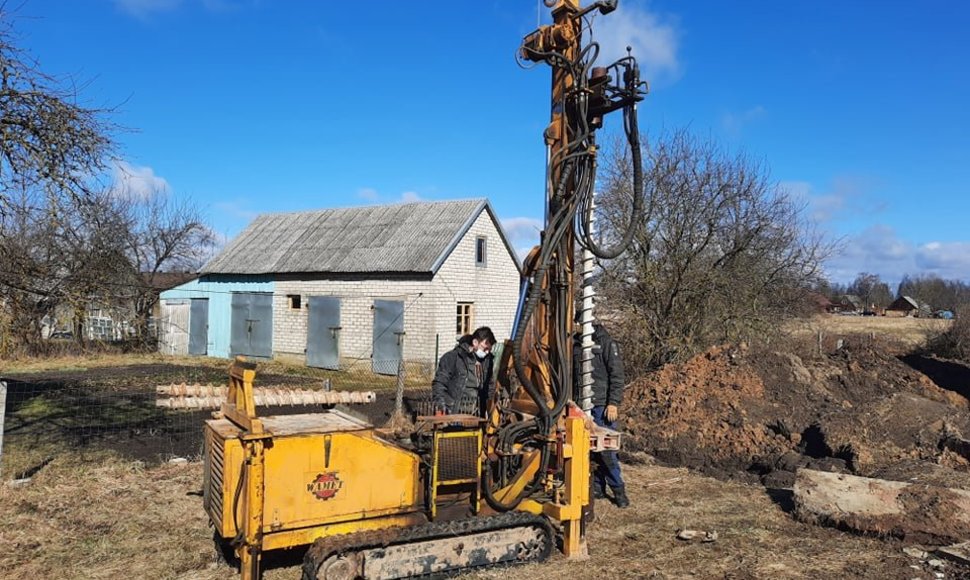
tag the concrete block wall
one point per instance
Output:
(494, 288)
(356, 316)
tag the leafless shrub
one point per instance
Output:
(954, 342)
(721, 253)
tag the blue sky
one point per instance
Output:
(248, 106)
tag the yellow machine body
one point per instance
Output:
(286, 481)
(321, 468)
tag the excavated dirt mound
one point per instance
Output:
(730, 412)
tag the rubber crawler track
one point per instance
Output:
(323, 548)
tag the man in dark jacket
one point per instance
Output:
(608, 379)
(465, 373)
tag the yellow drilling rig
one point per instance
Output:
(464, 491)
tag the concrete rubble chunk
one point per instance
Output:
(913, 511)
(915, 552)
(959, 553)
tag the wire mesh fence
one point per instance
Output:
(155, 412)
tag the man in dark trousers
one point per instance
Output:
(608, 379)
(465, 373)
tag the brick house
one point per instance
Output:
(337, 287)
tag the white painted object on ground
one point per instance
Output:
(3, 411)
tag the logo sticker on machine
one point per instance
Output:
(325, 485)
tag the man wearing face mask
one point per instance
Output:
(465, 373)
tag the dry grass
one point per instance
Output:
(356, 377)
(114, 519)
(756, 538)
(101, 360)
(909, 332)
(106, 519)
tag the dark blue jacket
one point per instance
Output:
(608, 376)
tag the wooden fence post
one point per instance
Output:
(399, 390)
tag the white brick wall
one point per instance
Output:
(494, 288)
(430, 305)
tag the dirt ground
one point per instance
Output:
(737, 413)
(118, 519)
(711, 445)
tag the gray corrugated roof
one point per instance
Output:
(410, 237)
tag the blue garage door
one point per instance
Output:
(252, 325)
(388, 336)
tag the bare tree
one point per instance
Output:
(163, 234)
(939, 293)
(720, 254)
(51, 152)
(57, 252)
(47, 140)
(874, 292)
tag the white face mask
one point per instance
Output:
(481, 353)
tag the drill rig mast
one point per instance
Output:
(527, 435)
(369, 506)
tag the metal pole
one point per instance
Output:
(399, 396)
(3, 412)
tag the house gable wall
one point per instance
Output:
(494, 288)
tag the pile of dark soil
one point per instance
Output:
(733, 413)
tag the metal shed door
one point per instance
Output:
(199, 326)
(251, 331)
(388, 336)
(323, 332)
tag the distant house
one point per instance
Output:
(108, 318)
(848, 304)
(337, 287)
(906, 306)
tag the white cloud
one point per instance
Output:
(522, 228)
(948, 259)
(734, 123)
(523, 233)
(653, 38)
(372, 195)
(137, 181)
(368, 193)
(411, 197)
(846, 196)
(880, 250)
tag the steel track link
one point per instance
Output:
(324, 548)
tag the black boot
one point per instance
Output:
(620, 498)
(599, 492)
